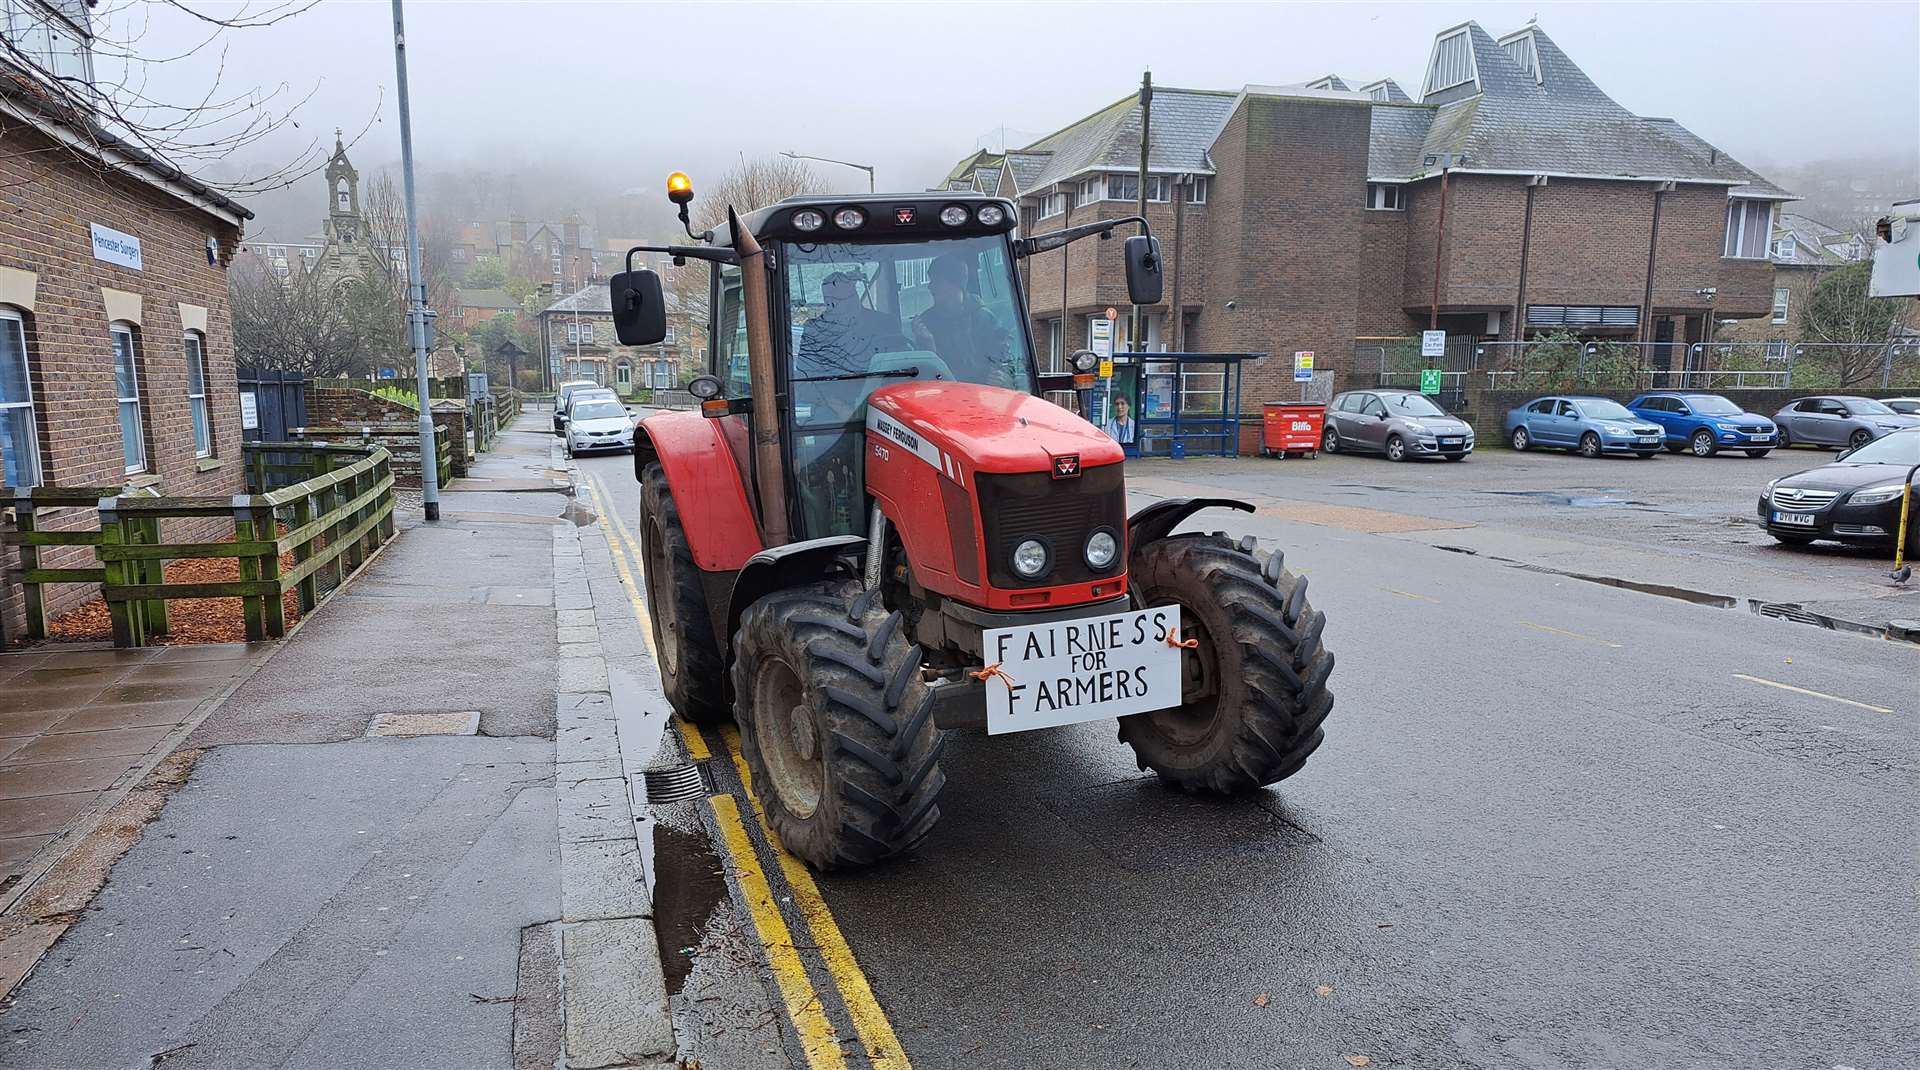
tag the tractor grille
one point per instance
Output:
(1059, 512)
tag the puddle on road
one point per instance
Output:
(687, 886)
(1602, 497)
(1698, 598)
(578, 512)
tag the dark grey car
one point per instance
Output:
(1398, 423)
(1837, 420)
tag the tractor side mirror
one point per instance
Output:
(1143, 270)
(639, 308)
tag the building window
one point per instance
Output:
(196, 348)
(573, 332)
(1452, 63)
(623, 373)
(1122, 187)
(586, 332)
(1056, 358)
(1783, 249)
(460, 256)
(19, 444)
(1780, 296)
(1385, 196)
(668, 340)
(307, 252)
(126, 382)
(1053, 204)
(1749, 226)
(556, 263)
(1197, 189)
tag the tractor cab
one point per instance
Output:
(875, 529)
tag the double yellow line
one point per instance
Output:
(819, 1039)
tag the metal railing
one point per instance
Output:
(333, 520)
(1698, 365)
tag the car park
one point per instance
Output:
(1903, 406)
(1837, 420)
(1591, 426)
(564, 394)
(1397, 423)
(1705, 424)
(1855, 498)
(596, 424)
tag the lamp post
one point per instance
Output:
(416, 283)
(858, 166)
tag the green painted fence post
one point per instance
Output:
(252, 607)
(125, 614)
(153, 612)
(302, 516)
(274, 604)
(29, 560)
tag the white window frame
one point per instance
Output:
(194, 346)
(1469, 71)
(1052, 204)
(1782, 297)
(1117, 183)
(121, 401)
(1386, 197)
(667, 340)
(1740, 224)
(573, 332)
(1785, 249)
(1198, 189)
(623, 373)
(556, 263)
(15, 323)
(586, 332)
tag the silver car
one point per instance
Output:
(1398, 423)
(1838, 420)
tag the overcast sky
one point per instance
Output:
(636, 90)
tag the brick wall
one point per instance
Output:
(1589, 243)
(48, 201)
(344, 408)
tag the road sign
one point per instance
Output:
(1303, 366)
(1113, 313)
(1100, 337)
(1106, 369)
(1429, 380)
(1433, 343)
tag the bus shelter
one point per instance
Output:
(1172, 404)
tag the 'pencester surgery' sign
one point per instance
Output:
(116, 248)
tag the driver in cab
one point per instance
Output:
(960, 330)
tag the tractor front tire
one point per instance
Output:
(1255, 686)
(691, 670)
(837, 725)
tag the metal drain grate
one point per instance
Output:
(679, 783)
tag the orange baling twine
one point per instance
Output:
(1173, 639)
(991, 672)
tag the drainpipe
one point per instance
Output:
(1065, 251)
(1180, 188)
(1653, 249)
(1439, 236)
(1519, 331)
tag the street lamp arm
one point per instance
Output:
(868, 168)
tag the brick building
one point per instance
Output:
(1803, 251)
(577, 342)
(116, 348)
(1309, 216)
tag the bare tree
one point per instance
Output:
(751, 184)
(82, 65)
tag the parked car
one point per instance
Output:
(1854, 499)
(1837, 420)
(596, 423)
(1592, 426)
(1705, 424)
(589, 392)
(1398, 423)
(565, 394)
(1903, 406)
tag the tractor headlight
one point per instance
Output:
(808, 219)
(1085, 360)
(990, 215)
(953, 215)
(1030, 559)
(849, 219)
(1101, 549)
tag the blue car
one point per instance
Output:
(1592, 426)
(1705, 424)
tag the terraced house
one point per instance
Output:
(1513, 197)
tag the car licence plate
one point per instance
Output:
(1082, 670)
(1649, 440)
(1797, 520)
(1449, 442)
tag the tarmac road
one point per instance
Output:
(1554, 824)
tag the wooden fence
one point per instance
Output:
(339, 513)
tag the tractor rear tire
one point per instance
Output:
(692, 672)
(837, 725)
(1260, 652)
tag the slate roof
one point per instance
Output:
(598, 298)
(1555, 122)
(496, 299)
(1818, 244)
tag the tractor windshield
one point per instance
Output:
(864, 315)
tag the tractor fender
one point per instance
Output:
(781, 567)
(1154, 522)
(707, 487)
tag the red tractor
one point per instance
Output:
(875, 530)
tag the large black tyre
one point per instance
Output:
(691, 670)
(1259, 656)
(837, 725)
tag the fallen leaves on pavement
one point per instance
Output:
(1323, 990)
(1357, 1060)
(1261, 1000)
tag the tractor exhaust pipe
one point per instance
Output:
(770, 476)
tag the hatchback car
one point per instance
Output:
(579, 394)
(1837, 420)
(1397, 423)
(1854, 499)
(564, 394)
(1592, 426)
(596, 423)
(1903, 406)
(1705, 424)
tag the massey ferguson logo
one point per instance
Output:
(1066, 467)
